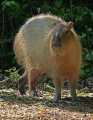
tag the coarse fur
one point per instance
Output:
(34, 49)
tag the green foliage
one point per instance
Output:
(12, 7)
(12, 74)
(87, 66)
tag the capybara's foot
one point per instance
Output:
(57, 98)
(22, 91)
(73, 93)
(19, 93)
(34, 93)
(74, 98)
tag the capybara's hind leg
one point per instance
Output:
(23, 81)
(29, 82)
(34, 78)
(29, 73)
(22, 84)
(33, 75)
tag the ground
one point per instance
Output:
(13, 107)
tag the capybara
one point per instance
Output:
(49, 44)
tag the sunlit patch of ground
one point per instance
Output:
(13, 107)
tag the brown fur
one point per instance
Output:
(34, 50)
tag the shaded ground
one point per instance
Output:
(42, 108)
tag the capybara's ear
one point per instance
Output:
(70, 25)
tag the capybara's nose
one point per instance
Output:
(56, 44)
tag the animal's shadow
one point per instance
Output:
(82, 104)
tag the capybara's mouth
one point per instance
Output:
(56, 45)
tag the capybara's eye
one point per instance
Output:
(66, 30)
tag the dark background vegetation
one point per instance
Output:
(13, 13)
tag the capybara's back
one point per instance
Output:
(31, 41)
(48, 43)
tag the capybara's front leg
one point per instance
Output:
(73, 90)
(73, 84)
(57, 96)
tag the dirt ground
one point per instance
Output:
(13, 107)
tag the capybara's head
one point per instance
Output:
(60, 33)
